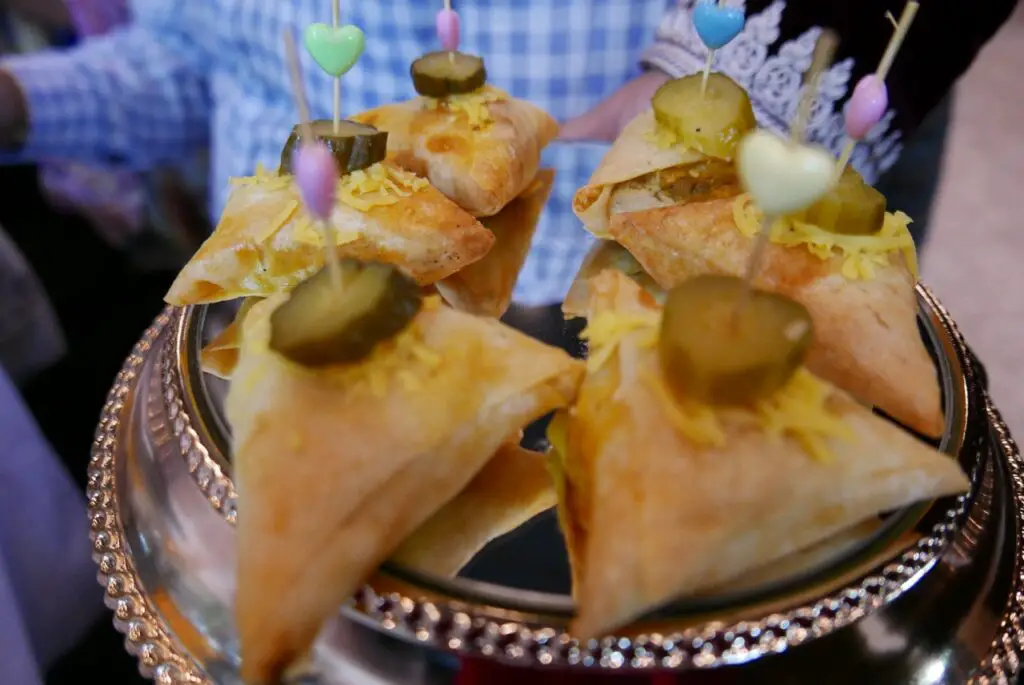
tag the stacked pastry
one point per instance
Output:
(718, 428)
(368, 420)
(482, 149)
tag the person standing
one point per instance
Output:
(187, 73)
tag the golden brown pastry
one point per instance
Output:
(267, 243)
(336, 467)
(604, 255)
(485, 286)
(511, 489)
(650, 513)
(481, 149)
(220, 355)
(859, 289)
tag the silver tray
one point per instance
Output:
(936, 596)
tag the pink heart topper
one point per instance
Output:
(866, 107)
(316, 174)
(448, 29)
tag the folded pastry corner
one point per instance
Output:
(510, 490)
(605, 254)
(485, 286)
(651, 514)
(629, 176)
(866, 335)
(481, 149)
(266, 242)
(220, 355)
(336, 467)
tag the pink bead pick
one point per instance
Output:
(866, 107)
(316, 174)
(448, 29)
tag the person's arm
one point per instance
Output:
(134, 98)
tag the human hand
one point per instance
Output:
(607, 120)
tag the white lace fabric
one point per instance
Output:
(772, 71)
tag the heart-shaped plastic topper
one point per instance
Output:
(866, 107)
(335, 49)
(781, 176)
(448, 29)
(316, 174)
(717, 24)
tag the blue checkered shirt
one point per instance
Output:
(188, 73)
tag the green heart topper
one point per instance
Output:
(335, 48)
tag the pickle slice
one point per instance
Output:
(322, 324)
(712, 352)
(437, 74)
(355, 146)
(852, 207)
(712, 122)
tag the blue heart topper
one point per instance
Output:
(717, 24)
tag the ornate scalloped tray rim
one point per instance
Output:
(856, 598)
(451, 626)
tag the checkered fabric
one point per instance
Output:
(188, 72)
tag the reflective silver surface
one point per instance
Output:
(939, 613)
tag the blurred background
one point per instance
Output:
(106, 285)
(975, 251)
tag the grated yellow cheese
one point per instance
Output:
(861, 253)
(405, 359)
(376, 186)
(800, 410)
(697, 422)
(268, 231)
(663, 137)
(474, 105)
(605, 331)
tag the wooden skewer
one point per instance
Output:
(297, 91)
(823, 52)
(902, 27)
(896, 42)
(335, 22)
(707, 65)
(307, 136)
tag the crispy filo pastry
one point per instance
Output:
(638, 174)
(651, 515)
(866, 336)
(220, 355)
(266, 242)
(336, 467)
(511, 489)
(481, 149)
(485, 286)
(603, 255)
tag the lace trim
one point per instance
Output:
(774, 80)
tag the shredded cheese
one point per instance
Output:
(800, 410)
(376, 186)
(404, 358)
(861, 253)
(474, 105)
(662, 137)
(605, 331)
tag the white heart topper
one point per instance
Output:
(782, 176)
